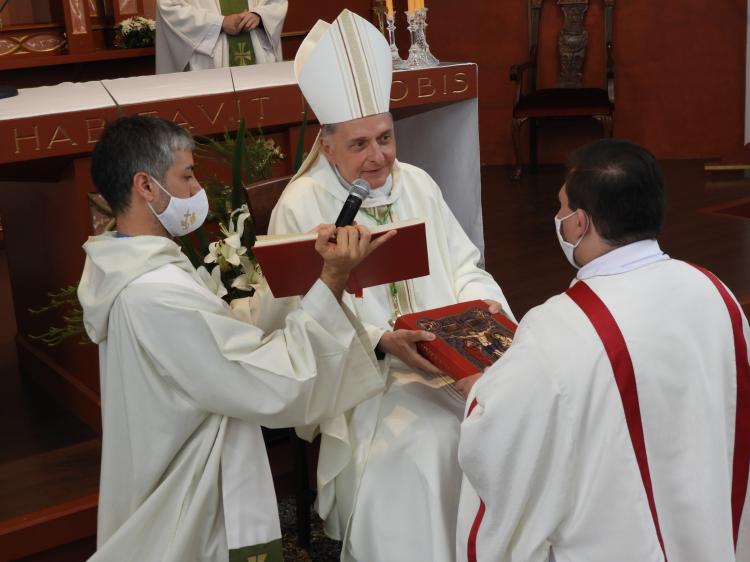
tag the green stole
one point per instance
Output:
(398, 291)
(241, 50)
(269, 552)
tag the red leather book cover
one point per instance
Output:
(291, 264)
(469, 338)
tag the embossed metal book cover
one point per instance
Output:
(469, 338)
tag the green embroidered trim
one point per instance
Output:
(241, 51)
(269, 552)
(381, 215)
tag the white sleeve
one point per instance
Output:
(272, 14)
(516, 450)
(285, 219)
(318, 366)
(187, 28)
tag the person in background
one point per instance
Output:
(200, 34)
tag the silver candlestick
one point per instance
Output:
(429, 58)
(396, 59)
(419, 52)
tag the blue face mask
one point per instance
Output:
(182, 215)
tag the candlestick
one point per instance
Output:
(396, 61)
(429, 58)
(419, 52)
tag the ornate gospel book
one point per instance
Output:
(291, 264)
(469, 338)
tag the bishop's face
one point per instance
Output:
(363, 148)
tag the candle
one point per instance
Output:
(389, 7)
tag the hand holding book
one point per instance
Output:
(351, 245)
(402, 344)
(291, 264)
(469, 336)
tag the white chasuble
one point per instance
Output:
(189, 34)
(388, 477)
(185, 387)
(551, 446)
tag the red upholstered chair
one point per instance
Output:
(568, 99)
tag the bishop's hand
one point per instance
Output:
(351, 245)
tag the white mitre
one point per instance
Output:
(344, 69)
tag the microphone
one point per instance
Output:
(358, 192)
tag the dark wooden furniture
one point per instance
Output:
(262, 197)
(568, 98)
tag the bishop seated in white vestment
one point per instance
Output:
(185, 385)
(388, 476)
(201, 34)
(617, 426)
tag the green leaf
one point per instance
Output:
(238, 189)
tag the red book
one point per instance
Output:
(469, 338)
(291, 265)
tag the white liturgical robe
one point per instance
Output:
(189, 34)
(388, 477)
(555, 452)
(185, 387)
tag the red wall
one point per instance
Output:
(680, 71)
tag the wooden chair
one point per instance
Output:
(568, 99)
(261, 198)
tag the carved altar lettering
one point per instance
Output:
(180, 120)
(94, 126)
(61, 135)
(215, 118)
(425, 88)
(149, 114)
(260, 100)
(458, 79)
(34, 137)
(395, 87)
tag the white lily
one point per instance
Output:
(250, 278)
(224, 253)
(212, 280)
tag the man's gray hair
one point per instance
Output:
(157, 156)
(327, 130)
(131, 145)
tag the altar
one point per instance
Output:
(48, 133)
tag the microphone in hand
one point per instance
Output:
(358, 192)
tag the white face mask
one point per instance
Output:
(567, 247)
(182, 215)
